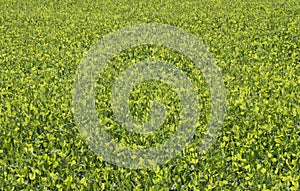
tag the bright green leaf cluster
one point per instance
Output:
(255, 44)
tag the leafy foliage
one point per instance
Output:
(255, 43)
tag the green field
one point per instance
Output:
(256, 45)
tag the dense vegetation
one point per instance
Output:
(256, 44)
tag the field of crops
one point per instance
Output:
(255, 44)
